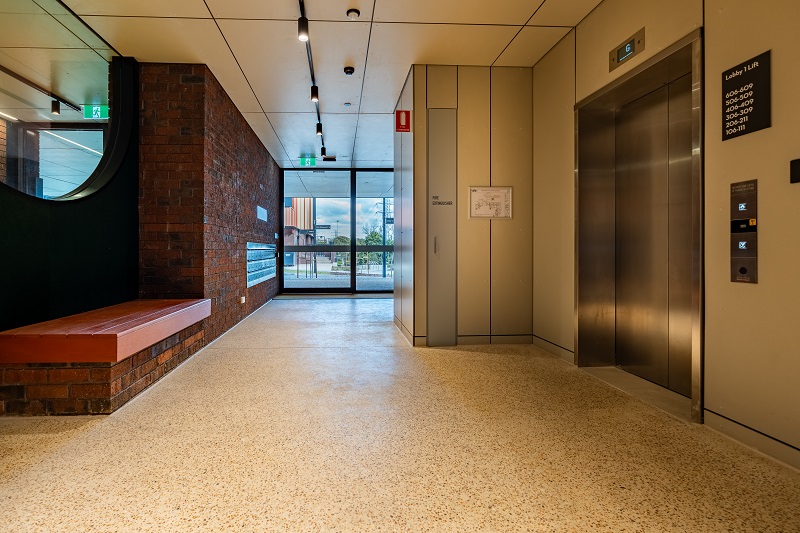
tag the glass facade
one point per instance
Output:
(338, 231)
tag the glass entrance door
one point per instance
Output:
(317, 231)
(375, 231)
(338, 231)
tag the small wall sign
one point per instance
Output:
(402, 121)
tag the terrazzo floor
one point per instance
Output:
(316, 415)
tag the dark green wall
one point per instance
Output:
(65, 257)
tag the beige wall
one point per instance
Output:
(494, 139)
(752, 337)
(613, 21)
(511, 244)
(752, 344)
(554, 198)
(474, 169)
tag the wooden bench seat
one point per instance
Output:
(106, 335)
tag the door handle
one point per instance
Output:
(436, 245)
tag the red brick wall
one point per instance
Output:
(203, 173)
(171, 181)
(241, 175)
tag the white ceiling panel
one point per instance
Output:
(253, 51)
(35, 31)
(461, 12)
(178, 41)
(395, 47)
(263, 129)
(141, 8)
(374, 184)
(274, 60)
(289, 9)
(563, 12)
(375, 137)
(296, 132)
(532, 43)
(370, 163)
(317, 183)
(15, 6)
(80, 76)
(334, 46)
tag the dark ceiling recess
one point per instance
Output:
(304, 35)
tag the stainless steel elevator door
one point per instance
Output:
(653, 252)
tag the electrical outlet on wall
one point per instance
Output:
(242, 299)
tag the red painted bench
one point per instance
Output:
(106, 335)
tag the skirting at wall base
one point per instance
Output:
(761, 443)
(554, 349)
(494, 339)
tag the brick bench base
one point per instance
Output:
(92, 388)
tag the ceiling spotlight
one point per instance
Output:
(319, 128)
(353, 14)
(55, 107)
(302, 29)
(347, 104)
(322, 151)
(314, 93)
(348, 70)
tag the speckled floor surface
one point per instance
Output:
(316, 415)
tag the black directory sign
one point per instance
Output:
(746, 95)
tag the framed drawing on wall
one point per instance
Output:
(490, 202)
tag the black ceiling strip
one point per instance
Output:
(311, 69)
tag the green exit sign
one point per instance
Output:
(95, 111)
(308, 161)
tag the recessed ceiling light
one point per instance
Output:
(353, 14)
(348, 70)
(347, 104)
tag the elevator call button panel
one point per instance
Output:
(744, 232)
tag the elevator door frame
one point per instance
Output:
(595, 248)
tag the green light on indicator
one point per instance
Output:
(95, 111)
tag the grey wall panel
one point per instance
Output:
(512, 165)
(398, 225)
(419, 120)
(442, 221)
(474, 251)
(404, 214)
(642, 237)
(680, 235)
(595, 253)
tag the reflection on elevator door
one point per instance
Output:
(653, 236)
